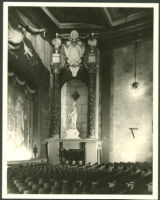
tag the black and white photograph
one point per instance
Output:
(80, 100)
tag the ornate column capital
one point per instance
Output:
(92, 46)
(55, 62)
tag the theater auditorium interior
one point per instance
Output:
(80, 100)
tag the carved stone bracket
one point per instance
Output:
(74, 50)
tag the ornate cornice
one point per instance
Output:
(125, 34)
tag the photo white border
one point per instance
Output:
(155, 6)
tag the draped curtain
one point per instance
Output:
(20, 119)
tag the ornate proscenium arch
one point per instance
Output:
(68, 61)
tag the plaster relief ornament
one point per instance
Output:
(74, 51)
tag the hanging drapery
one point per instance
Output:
(20, 119)
(21, 82)
(26, 24)
(17, 27)
(16, 40)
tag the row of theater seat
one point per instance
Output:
(110, 178)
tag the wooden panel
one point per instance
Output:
(42, 47)
(48, 49)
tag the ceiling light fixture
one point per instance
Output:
(135, 84)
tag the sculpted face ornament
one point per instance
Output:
(74, 51)
(74, 36)
(69, 51)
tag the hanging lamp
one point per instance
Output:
(135, 84)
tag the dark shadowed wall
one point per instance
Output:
(44, 50)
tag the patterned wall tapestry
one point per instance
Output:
(20, 119)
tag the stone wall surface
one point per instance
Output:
(131, 108)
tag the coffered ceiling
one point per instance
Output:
(91, 18)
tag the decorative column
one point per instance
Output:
(92, 43)
(55, 90)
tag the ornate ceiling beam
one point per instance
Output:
(130, 27)
(121, 20)
(121, 36)
(71, 25)
(101, 15)
(36, 19)
(138, 35)
(80, 26)
(51, 16)
(108, 16)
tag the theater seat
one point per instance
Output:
(28, 192)
(109, 178)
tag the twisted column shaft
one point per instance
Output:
(55, 105)
(92, 101)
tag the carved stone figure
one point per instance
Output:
(74, 50)
(72, 132)
(73, 117)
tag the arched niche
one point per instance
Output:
(72, 91)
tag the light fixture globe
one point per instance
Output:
(135, 84)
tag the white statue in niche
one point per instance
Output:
(73, 117)
(73, 132)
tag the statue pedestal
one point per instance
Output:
(92, 149)
(72, 134)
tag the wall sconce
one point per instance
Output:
(135, 84)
